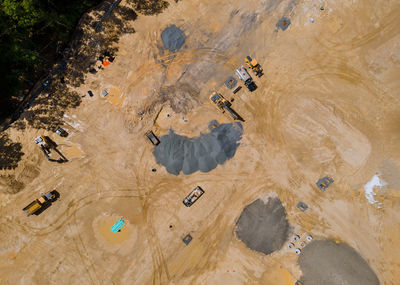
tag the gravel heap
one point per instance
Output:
(173, 38)
(263, 226)
(329, 263)
(179, 153)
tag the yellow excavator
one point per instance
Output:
(224, 105)
(46, 145)
(254, 65)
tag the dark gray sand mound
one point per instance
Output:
(328, 263)
(263, 227)
(173, 38)
(179, 153)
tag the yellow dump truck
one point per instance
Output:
(38, 204)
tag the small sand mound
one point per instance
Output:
(263, 226)
(173, 38)
(326, 262)
(102, 229)
(179, 153)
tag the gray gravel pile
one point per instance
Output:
(326, 262)
(179, 153)
(263, 227)
(173, 38)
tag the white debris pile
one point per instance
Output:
(369, 190)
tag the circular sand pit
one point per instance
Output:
(102, 230)
(179, 153)
(263, 227)
(173, 38)
(326, 262)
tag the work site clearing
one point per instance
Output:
(303, 188)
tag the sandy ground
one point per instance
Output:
(328, 104)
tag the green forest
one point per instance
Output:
(33, 35)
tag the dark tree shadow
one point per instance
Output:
(149, 7)
(13, 185)
(87, 44)
(10, 153)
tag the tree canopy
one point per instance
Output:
(31, 33)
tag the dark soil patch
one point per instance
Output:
(10, 153)
(263, 227)
(13, 185)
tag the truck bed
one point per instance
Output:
(32, 207)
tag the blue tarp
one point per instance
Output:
(117, 226)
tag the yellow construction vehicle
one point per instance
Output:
(40, 204)
(224, 105)
(254, 65)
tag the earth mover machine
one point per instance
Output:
(40, 203)
(193, 196)
(224, 105)
(254, 65)
(243, 75)
(152, 137)
(46, 145)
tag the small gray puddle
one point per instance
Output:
(263, 227)
(179, 153)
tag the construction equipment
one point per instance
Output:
(243, 75)
(40, 204)
(152, 137)
(187, 239)
(193, 196)
(324, 183)
(237, 89)
(224, 105)
(46, 145)
(302, 206)
(61, 132)
(254, 65)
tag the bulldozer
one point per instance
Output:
(254, 65)
(46, 145)
(224, 105)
